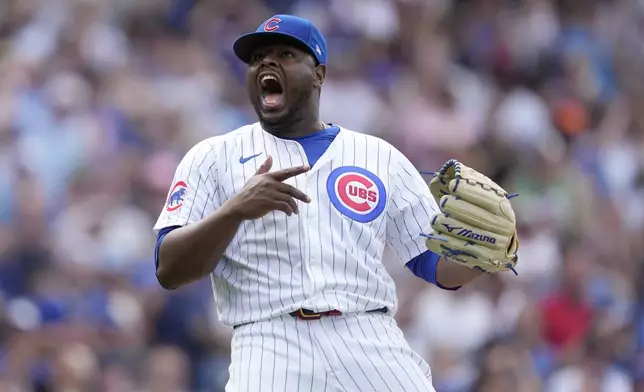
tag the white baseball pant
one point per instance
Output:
(361, 353)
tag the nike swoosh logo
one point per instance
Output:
(243, 160)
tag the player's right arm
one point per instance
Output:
(189, 248)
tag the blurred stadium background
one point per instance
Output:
(99, 99)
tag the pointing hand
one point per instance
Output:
(266, 191)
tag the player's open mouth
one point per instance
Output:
(271, 90)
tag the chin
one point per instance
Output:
(273, 117)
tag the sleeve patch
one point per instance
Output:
(177, 196)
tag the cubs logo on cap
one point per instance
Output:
(272, 24)
(287, 29)
(356, 193)
(177, 196)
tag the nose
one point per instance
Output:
(269, 60)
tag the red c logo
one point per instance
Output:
(272, 24)
(356, 192)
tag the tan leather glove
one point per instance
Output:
(477, 225)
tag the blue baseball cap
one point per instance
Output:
(283, 28)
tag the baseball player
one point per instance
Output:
(290, 217)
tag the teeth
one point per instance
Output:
(265, 78)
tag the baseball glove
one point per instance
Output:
(476, 225)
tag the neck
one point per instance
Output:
(298, 127)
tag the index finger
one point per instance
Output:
(281, 175)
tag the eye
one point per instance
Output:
(287, 54)
(256, 57)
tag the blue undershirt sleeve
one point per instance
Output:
(424, 266)
(162, 233)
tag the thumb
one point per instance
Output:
(266, 166)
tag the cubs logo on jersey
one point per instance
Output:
(356, 193)
(177, 196)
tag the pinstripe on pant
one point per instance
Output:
(365, 352)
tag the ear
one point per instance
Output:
(320, 75)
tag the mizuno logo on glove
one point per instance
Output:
(475, 236)
(450, 228)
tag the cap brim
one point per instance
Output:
(244, 46)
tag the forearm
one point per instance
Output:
(190, 253)
(450, 274)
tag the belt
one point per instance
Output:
(306, 314)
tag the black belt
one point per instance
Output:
(306, 314)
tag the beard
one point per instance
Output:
(296, 109)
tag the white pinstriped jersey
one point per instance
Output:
(365, 195)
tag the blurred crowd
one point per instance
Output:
(99, 100)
